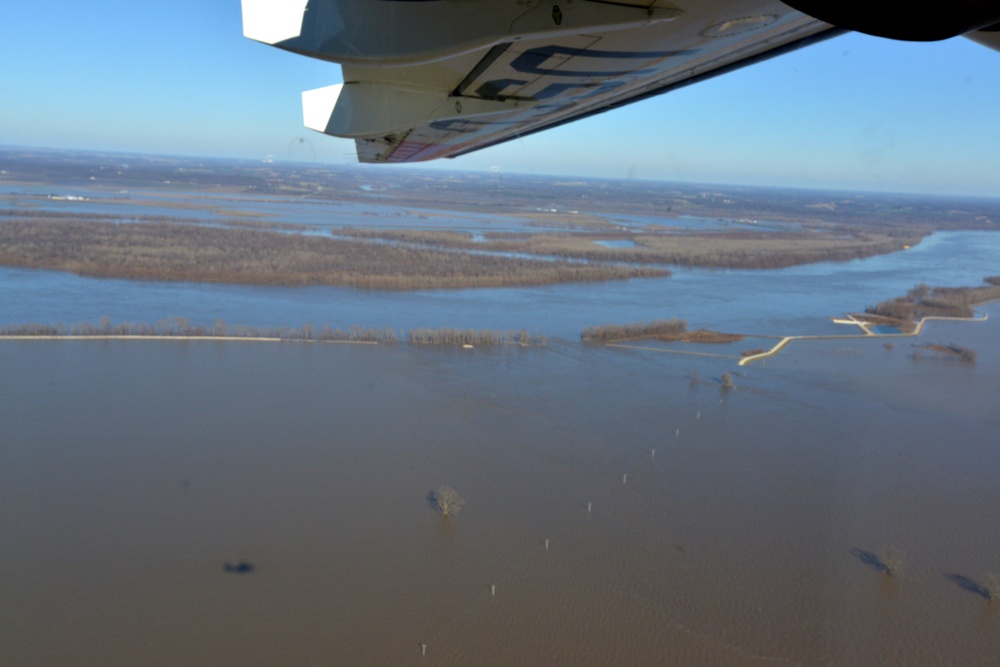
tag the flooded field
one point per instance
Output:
(170, 502)
(749, 529)
(322, 215)
(319, 215)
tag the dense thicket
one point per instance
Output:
(666, 330)
(634, 330)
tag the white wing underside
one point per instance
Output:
(440, 93)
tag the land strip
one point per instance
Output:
(170, 252)
(227, 218)
(720, 249)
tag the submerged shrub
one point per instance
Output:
(992, 586)
(893, 559)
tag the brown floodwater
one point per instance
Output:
(131, 472)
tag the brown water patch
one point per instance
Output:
(133, 471)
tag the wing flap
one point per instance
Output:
(430, 107)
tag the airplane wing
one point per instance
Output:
(425, 79)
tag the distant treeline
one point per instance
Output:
(181, 327)
(717, 249)
(924, 300)
(495, 193)
(165, 251)
(469, 337)
(234, 220)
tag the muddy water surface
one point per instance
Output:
(132, 471)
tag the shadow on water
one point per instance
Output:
(242, 567)
(870, 559)
(968, 585)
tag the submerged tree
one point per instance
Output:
(992, 587)
(893, 561)
(446, 500)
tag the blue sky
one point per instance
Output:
(179, 78)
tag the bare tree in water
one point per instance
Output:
(893, 559)
(992, 587)
(446, 500)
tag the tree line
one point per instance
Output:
(469, 337)
(182, 327)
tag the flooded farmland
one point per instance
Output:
(751, 525)
(256, 503)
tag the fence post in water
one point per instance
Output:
(546, 543)
(652, 454)
(624, 477)
(699, 415)
(678, 434)
(493, 589)
(423, 649)
(588, 508)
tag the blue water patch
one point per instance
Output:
(696, 223)
(616, 243)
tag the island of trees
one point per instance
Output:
(173, 252)
(732, 249)
(926, 301)
(666, 330)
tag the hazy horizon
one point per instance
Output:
(428, 169)
(851, 113)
